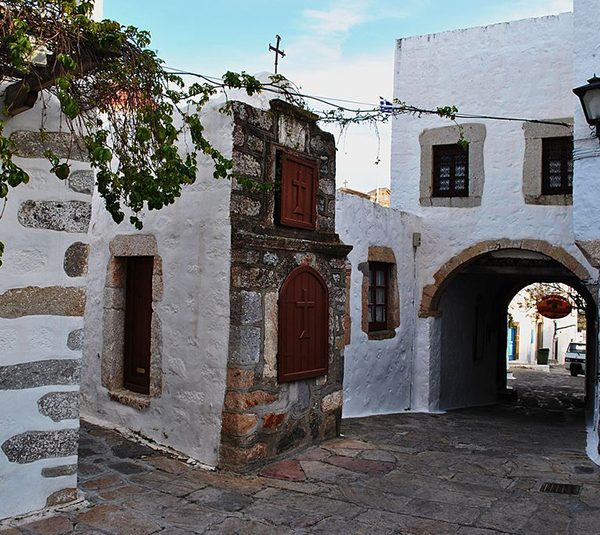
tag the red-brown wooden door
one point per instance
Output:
(138, 323)
(303, 326)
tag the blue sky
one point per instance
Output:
(340, 48)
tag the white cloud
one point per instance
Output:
(333, 21)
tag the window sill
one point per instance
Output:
(451, 202)
(139, 402)
(382, 335)
(556, 199)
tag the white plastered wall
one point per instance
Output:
(518, 69)
(586, 155)
(34, 257)
(193, 240)
(377, 373)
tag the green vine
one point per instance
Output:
(123, 107)
(119, 102)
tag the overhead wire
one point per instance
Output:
(375, 109)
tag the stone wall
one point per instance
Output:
(262, 418)
(42, 299)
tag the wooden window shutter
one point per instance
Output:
(298, 192)
(303, 326)
(138, 323)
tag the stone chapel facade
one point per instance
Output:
(245, 300)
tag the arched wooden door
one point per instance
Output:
(303, 326)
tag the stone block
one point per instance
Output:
(270, 259)
(139, 402)
(255, 143)
(61, 496)
(239, 378)
(35, 445)
(60, 471)
(271, 334)
(30, 144)
(60, 405)
(249, 306)
(292, 133)
(75, 340)
(245, 206)
(244, 344)
(82, 181)
(289, 470)
(76, 259)
(117, 273)
(241, 401)
(235, 456)
(49, 301)
(259, 118)
(291, 439)
(247, 165)
(114, 298)
(238, 424)
(332, 401)
(56, 525)
(62, 216)
(327, 185)
(272, 420)
(40, 373)
(133, 245)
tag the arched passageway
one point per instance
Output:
(470, 301)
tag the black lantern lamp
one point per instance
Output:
(589, 94)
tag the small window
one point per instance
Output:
(379, 274)
(450, 171)
(298, 192)
(557, 166)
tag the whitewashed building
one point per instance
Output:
(467, 229)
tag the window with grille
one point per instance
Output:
(379, 274)
(450, 171)
(557, 165)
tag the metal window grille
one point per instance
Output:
(378, 296)
(450, 171)
(557, 166)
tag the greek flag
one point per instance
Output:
(385, 106)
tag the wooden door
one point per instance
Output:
(303, 326)
(138, 322)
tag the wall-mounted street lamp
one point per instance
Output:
(589, 94)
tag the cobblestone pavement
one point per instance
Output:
(468, 472)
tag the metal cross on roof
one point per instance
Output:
(278, 51)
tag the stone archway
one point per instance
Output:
(431, 293)
(467, 306)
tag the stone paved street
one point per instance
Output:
(468, 472)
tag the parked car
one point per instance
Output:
(575, 358)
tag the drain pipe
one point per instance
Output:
(416, 242)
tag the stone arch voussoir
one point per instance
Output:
(432, 292)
